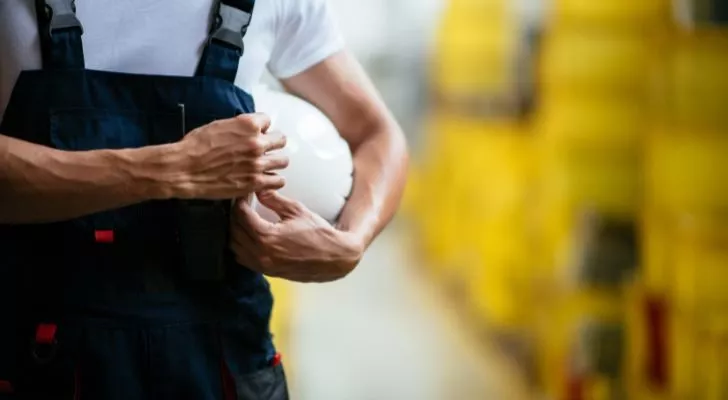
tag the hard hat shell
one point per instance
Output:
(320, 170)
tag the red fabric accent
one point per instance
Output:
(575, 386)
(657, 331)
(276, 360)
(45, 333)
(6, 387)
(228, 383)
(104, 236)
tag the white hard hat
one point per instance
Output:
(319, 174)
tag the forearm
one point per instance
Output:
(380, 164)
(340, 87)
(41, 184)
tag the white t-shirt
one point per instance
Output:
(166, 37)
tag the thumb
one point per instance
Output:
(249, 220)
(283, 206)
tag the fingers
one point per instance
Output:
(264, 182)
(273, 163)
(283, 206)
(273, 142)
(240, 230)
(247, 252)
(250, 221)
(257, 121)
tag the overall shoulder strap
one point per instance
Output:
(60, 34)
(225, 46)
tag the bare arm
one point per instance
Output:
(342, 90)
(41, 184)
(222, 160)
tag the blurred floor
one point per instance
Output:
(384, 334)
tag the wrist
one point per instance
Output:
(160, 172)
(354, 245)
(359, 237)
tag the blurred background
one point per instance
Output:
(565, 229)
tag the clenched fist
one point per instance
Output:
(228, 159)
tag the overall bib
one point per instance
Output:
(146, 301)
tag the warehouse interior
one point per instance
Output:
(564, 234)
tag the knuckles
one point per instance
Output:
(246, 122)
(257, 147)
(259, 165)
(297, 206)
(266, 263)
(258, 180)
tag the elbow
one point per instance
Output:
(398, 146)
(380, 132)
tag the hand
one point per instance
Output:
(228, 159)
(302, 247)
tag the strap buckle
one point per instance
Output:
(231, 25)
(45, 344)
(62, 15)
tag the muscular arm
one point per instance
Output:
(341, 89)
(40, 184)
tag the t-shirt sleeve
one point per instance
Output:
(306, 34)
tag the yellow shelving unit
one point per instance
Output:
(595, 74)
(685, 264)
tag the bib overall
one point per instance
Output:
(146, 301)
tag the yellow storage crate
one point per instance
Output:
(473, 27)
(690, 281)
(481, 8)
(410, 207)
(463, 16)
(479, 64)
(701, 264)
(657, 248)
(490, 77)
(595, 61)
(605, 182)
(499, 284)
(496, 165)
(476, 48)
(478, 178)
(497, 304)
(581, 194)
(438, 160)
(617, 13)
(697, 356)
(570, 241)
(441, 237)
(591, 123)
(649, 326)
(687, 170)
(448, 180)
(568, 352)
(497, 226)
(697, 81)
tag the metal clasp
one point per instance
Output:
(62, 15)
(44, 345)
(231, 25)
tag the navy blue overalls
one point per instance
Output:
(146, 301)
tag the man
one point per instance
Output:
(126, 272)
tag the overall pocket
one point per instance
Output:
(200, 227)
(266, 384)
(249, 372)
(84, 129)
